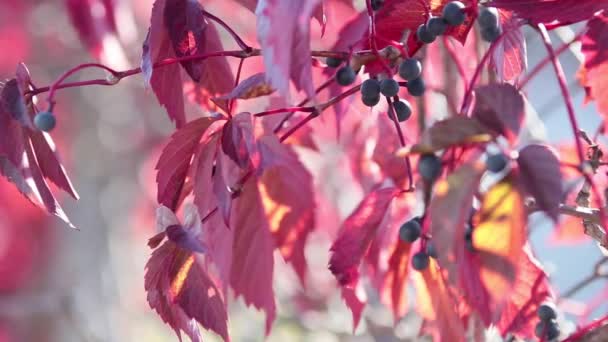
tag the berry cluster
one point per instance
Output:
(453, 15)
(409, 232)
(547, 328)
(45, 121)
(489, 24)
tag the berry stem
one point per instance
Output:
(227, 27)
(372, 37)
(408, 165)
(284, 110)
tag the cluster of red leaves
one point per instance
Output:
(252, 194)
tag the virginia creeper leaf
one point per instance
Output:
(238, 141)
(356, 235)
(541, 176)
(547, 11)
(287, 193)
(593, 72)
(252, 265)
(394, 292)
(355, 299)
(509, 58)
(284, 34)
(175, 159)
(500, 107)
(251, 87)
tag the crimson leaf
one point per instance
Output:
(500, 107)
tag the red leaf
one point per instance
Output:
(394, 289)
(541, 177)
(174, 161)
(531, 290)
(287, 193)
(166, 81)
(547, 11)
(238, 141)
(356, 235)
(186, 25)
(355, 299)
(284, 35)
(509, 58)
(251, 87)
(384, 152)
(593, 72)
(11, 102)
(436, 304)
(226, 184)
(182, 293)
(500, 107)
(252, 265)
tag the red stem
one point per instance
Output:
(393, 116)
(236, 83)
(69, 73)
(227, 27)
(547, 59)
(450, 49)
(284, 110)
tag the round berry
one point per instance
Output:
(420, 261)
(345, 75)
(410, 231)
(548, 330)
(416, 87)
(546, 312)
(496, 162)
(377, 4)
(436, 26)
(403, 110)
(488, 17)
(370, 88)
(429, 167)
(431, 250)
(453, 13)
(490, 34)
(370, 101)
(333, 62)
(389, 87)
(45, 121)
(410, 69)
(423, 34)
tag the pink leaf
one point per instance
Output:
(356, 235)
(284, 35)
(251, 87)
(547, 11)
(509, 58)
(238, 141)
(11, 102)
(394, 287)
(182, 293)
(186, 25)
(252, 266)
(541, 176)
(355, 299)
(593, 73)
(174, 161)
(226, 184)
(500, 107)
(49, 162)
(288, 198)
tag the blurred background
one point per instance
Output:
(58, 284)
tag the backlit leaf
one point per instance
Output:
(500, 107)
(547, 11)
(593, 71)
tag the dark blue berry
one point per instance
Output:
(410, 69)
(547, 330)
(403, 110)
(436, 26)
(490, 34)
(420, 261)
(468, 238)
(370, 88)
(410, 231)
(431, 250)
(423, 34)
(333, 62)
(416, 87)
(377, 4)
(45, 121)
(389, 87)
(370, 101)
(453, 13)
(546, 312)
(496, 162)
(345, 76)
(488, 17)
(429, 167)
